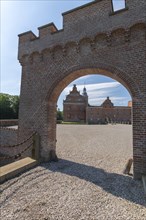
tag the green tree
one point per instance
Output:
(15, 105)
(9, 106)
(59, 114)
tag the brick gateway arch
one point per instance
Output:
(94, 40)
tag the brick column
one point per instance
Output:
(52, 131)
(139, 137)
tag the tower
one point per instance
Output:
(74, 106)
(85, 95)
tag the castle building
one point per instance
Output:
(77, 109)
(74, 107)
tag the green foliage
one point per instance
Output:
(59, 115)
(59, 121)
(9, 106)
(15, 105)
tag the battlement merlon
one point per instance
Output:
(43, 31)
(48, 28)
(26, 36)
(86, 20)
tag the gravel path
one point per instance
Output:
(86, 184)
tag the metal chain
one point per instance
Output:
(17, 155)
(16, 145)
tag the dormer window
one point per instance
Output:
(118, 5)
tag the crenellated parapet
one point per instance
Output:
(85, 45)
(44, 30)
(93, 21)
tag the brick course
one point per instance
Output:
(93, 41)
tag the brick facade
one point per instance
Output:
(74, 106)
(77, 109)
(108, 113)
(94, 40)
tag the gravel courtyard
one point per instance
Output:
(86, 184)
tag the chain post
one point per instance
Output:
(35, 148)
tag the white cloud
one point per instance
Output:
(92, 88)
(97, 92)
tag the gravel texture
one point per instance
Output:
(86, 184)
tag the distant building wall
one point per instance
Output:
(101, 115)
(76, 109)
(130, 104)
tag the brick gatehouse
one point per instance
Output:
(94, 40)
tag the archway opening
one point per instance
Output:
(95, 92)
(95, 143)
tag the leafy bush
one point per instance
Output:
(9, 106)
(59, 121)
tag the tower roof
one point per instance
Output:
(84, 91)
(74, 88)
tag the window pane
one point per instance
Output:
(118, 4)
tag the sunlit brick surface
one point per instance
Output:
(93, 41)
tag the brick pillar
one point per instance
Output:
(139, 138)
(52, 131)
(48, 133)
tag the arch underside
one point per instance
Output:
(117, 74)
(76, 72)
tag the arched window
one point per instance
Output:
(118, 5)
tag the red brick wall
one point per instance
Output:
(74, 106)
(74, 112)
(92, 41)
(101, 115)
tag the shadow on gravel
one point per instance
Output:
(124, 187)
(22, 180)
(118, 185)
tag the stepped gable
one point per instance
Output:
(74, 95)
(107, 103)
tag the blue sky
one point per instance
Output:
(21, 16)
